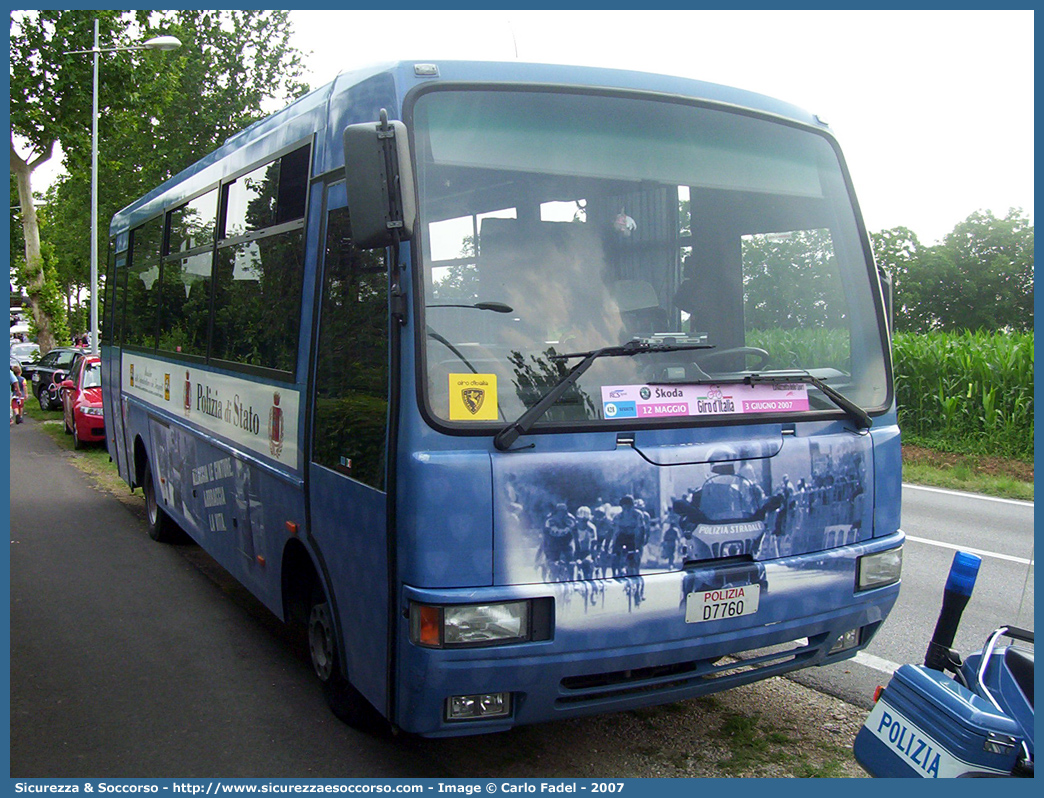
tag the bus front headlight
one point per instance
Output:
(470, 624)
(880, 569)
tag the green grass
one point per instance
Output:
(754, 744)
(93, 459)
(32, 410)
(964, 477)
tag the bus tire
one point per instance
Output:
(158, 524)
(346, 702)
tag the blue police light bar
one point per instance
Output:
(963, 571)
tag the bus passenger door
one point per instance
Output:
(348, 518)
(112, 362)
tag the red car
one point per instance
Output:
(82, 403)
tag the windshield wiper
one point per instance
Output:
(496, 307)
(855, 412)
(509, 434)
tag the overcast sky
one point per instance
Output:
(933, 109)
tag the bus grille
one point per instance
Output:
(707, 675)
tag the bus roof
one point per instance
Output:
(327, 111)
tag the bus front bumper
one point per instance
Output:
(624, 643)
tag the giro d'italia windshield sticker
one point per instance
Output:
(659, 401)
(606, 520)
(262, 418)
(473, 397)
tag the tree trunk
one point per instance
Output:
(34, 274)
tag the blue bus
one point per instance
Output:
(529, 391)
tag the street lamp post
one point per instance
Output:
(156, 43)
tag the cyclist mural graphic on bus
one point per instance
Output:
(588, 523)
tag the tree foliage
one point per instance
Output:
(791, 282)
(158, 112)
(50, 99)
(979, 277)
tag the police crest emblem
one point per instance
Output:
(473, 399)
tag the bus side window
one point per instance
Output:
(187, 275)
(257, 301)
(119, 297)
(258, 281)
(143, 285)
(108, 289)
(185, 311)
(351, 382)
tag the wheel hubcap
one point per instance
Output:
(320, 641)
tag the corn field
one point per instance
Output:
(969, 391)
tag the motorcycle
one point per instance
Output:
(977, 723)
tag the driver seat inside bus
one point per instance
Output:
(639, 307)
(552, 274)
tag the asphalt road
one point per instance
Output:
(127, 660)
(937, 523)
(135, 659)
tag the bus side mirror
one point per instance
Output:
(379, 181)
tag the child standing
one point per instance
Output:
(18, 394)
(14, 385)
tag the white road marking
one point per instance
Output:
(980, 552)
(1019, 502)
(877, 663)
(887, 666)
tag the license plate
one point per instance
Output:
(722, 603)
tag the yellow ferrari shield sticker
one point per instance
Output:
(473, 397)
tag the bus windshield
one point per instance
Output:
(556, 223)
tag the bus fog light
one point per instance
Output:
(849, 639)
(476, 707)
(878, 570)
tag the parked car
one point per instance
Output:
(45, 373)
(26, 353)
(82, 402)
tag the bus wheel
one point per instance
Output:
(344, 700)
(160, 527)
